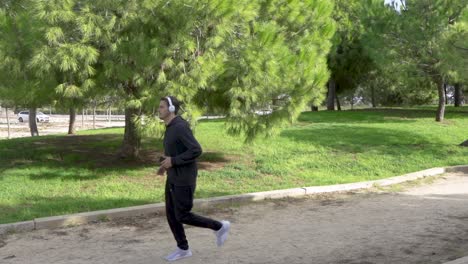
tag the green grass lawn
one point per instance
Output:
(57, 175)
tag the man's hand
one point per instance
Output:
(166, 163)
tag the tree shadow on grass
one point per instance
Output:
(363, 139)
(84, 157)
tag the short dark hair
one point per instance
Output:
(175, 103)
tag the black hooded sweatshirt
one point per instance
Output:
(183, 148)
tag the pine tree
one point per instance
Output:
(19, 37)
(229, 56)
(146, 49)
(414, 41)
(235, 57)
(274, 59)
(68, 53)
(456, 40)
(347, 60)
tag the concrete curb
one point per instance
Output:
(458, 261)
(17, 227)
(158, 208)
(83, 218)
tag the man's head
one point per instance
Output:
(168, 107)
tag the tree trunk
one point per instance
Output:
(445, 93)
(8, 121)
(94, 116)
(338, 102)
(441, 108)
(71, 124)
(82, 118)
(314, 108)
(373, 96)
(331, 95)
(458, 96)
(132, 139)
(110, 116)
(33, 123)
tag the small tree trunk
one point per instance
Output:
(458, 96)
(445, 94)
(338, 102)
(94, 116)
(314, 108)
(8, 121)
(110, 116)
(373, 96)
(331, 95)
(71, 124)
(33, 123)
(462, 95)
(441, 107)
(132, 139)
(82, 118)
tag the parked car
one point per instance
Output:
(263, 112)
(23, 116)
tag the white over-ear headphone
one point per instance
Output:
(171, 106)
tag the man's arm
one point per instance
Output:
(193, 151)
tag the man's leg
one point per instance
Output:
(183, 203)
(176, 227)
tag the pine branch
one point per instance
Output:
(458, 47)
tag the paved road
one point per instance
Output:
(424, 224)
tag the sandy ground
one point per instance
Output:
(424, 224)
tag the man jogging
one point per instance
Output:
(181, 150)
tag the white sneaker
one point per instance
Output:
(221, 234)
(179, 254)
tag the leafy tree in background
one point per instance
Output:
(19, 36)
(67, 53)
(347, 60)
(414, 41)
(235, 57)
(229, 56)
(274, 59)
(457, 52)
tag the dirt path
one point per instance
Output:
(424, 224)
